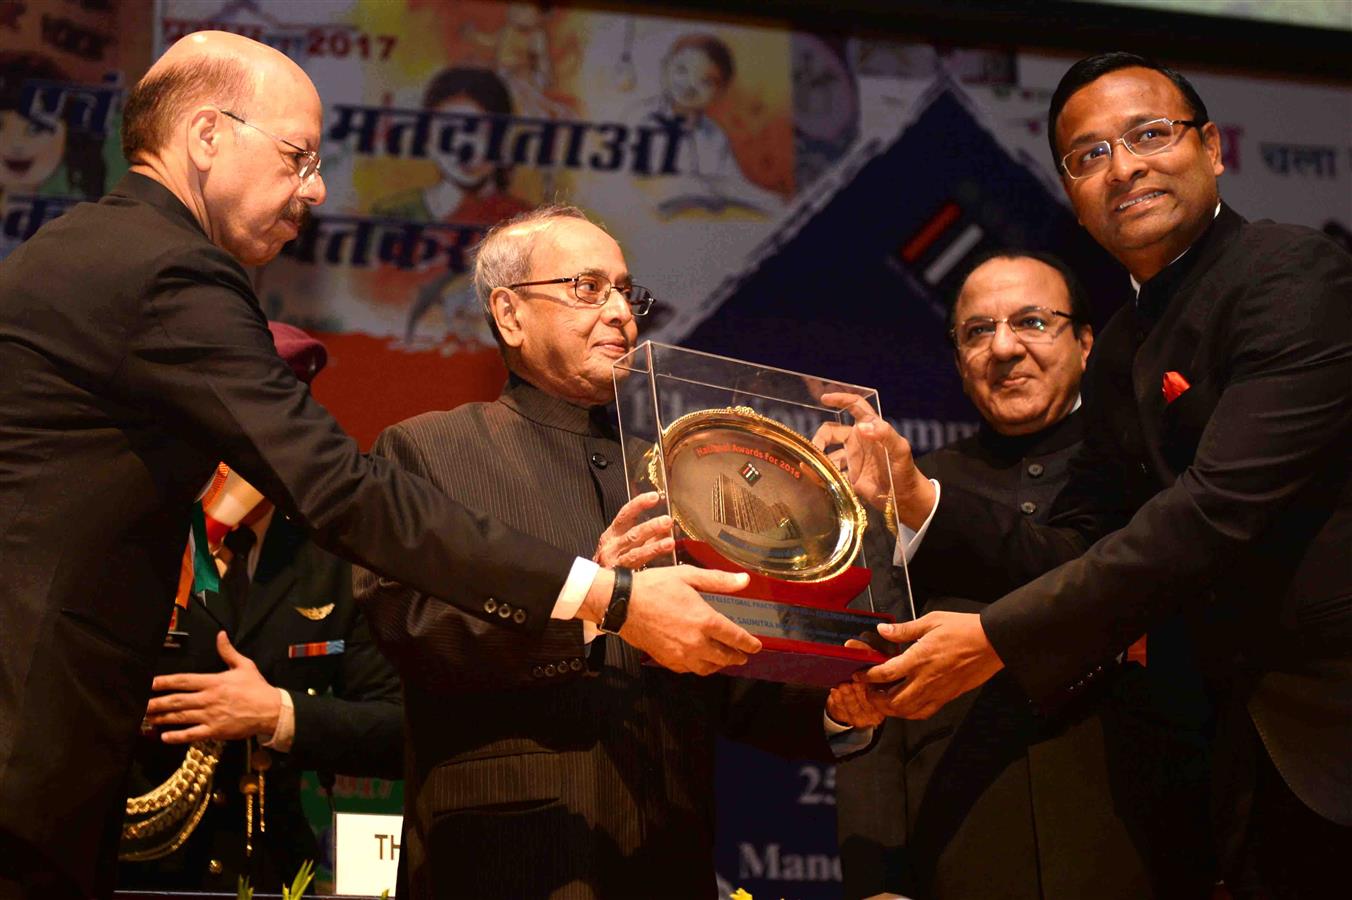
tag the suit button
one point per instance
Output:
(312, 692)
(575, 665)
(537, 672)
(218, 797)
(1036, 470)
(504, 611)
(519, 616)
(490, 606)
(1028, 507)
(215, 867)
(549, 670)
(599, 460)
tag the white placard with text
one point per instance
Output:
(365, 853)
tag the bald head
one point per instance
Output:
(207, 67)
(232, 128)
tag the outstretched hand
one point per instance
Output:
(222, 706)
(672, 623)
(949, 656)
(875, 458)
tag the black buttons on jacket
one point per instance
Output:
(1028, 507)
(1035, 470)
(599, 460)
(562, 667)
(504, 610)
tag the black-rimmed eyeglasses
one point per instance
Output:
(1030, 326)
(307, 162)
(1146, 139)
(594, 290)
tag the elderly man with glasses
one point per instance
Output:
(1214, 480)
(559, 765)
(135, 357)
(987, 791)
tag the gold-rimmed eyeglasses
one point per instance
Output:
(594, 290)
(307, 162)
(1145, 139)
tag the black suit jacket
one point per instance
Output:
(987, 792)
(135, 356)
(539, 766)
(1233, 503)
(348, 716)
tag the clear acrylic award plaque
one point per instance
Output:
(728, 443)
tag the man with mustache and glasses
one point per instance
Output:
(558, 765)
(136, 357)
(1214, 480)
(987, 791)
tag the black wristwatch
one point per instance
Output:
(618, 610)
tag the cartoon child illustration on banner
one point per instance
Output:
(467, 193)
(51, 143)
(696, 72)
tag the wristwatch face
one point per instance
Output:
(760, 494)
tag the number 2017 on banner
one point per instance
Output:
(340, 43)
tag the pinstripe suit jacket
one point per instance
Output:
(531, 772)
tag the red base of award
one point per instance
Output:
(802, 626)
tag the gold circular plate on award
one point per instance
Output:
(760, 494)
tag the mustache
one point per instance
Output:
(298, 214)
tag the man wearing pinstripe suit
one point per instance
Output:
(551, 765)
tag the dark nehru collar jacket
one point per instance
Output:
(1236, 497)
(539, 765)
(1023, 473)
(135, 356)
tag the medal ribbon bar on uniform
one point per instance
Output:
(317, 648)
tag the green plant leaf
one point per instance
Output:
(303, 879)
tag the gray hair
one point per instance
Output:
(503, 256)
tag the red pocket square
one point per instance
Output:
(1174, 386)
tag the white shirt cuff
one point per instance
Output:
(845, 739)
(908, 541)
(286, 726)
(574, 591)
(833, 727)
